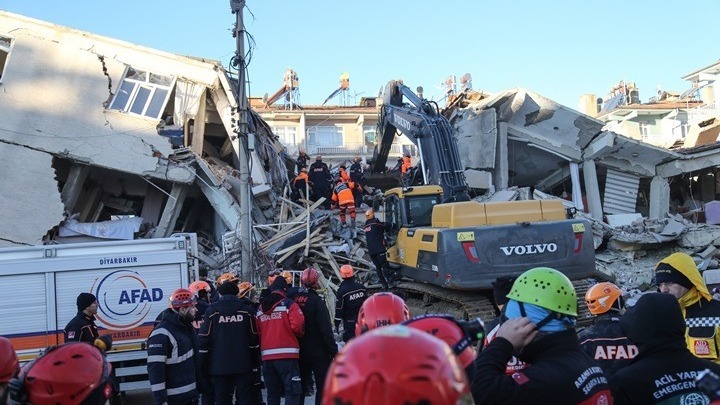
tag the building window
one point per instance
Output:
(681, 130)
(286, 135)
(644, 130)
(143, 93)
(6, 44)
(331, 136)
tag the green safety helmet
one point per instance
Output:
(546, 288)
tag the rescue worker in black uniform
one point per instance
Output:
(82, 327)
(375, 238)
(664, 370)
(203, 276)
(540, 315)
(321, 179)
(604, 340)
(301, 161)
(229, 346)
(350, 296)
(317, 345)
(358, 177)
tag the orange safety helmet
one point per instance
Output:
(396, 365)
(601, 297)
(232, 277)
(9, 364)
(182, 298)
(447, 329)
(199, 285)
(310, 277)
(245, 287)
(380, 309)
(346, 271)
(73, 373)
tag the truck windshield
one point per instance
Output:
(419, 209)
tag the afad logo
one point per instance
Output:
(125, 300)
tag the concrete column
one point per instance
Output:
(592, 190)
(501, 175)
(172, 211)
(659, 197)
(73, 186)
(152, 205)
(198, 135)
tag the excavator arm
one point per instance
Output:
(421, 122)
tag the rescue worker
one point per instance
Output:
(246, 292)
(317, 345)
(82, 327)
(349, 298)
(343, 174)
(357, 177)
(201, 290)
(321, 179)
(230, 348)
(172, 364)
(375, 239)
(394, 365)
(604, 340)
(203, 276)
(452, 332)
(664, 370)
(678, 275)
(300, 185)
(343, 198)
(302, 160)
(272, 274)
(381, 309)
(405, 168)
(280, 324)
(72, 373)
(501, 288)
(541, 316)
(9, 366)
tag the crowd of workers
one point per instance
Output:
(282, 340)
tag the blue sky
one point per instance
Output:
(560, 49)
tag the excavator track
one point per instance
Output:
(428, 298)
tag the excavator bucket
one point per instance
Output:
(383, 181)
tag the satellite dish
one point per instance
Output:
(265, 98)
(420, 91)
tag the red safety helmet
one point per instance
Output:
(72, 373)
(310, 277)
(9, 364)
(199, 285)
(380, 309)
(447, 329)
(232, 277)
(182, 298)
(346, 271)
(396, 365)
(601, 297)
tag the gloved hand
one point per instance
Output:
(104, 343)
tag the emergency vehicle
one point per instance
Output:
(131, 279)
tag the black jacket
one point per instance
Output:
(356, 173)
(172, 364)
(318, 340)
(664, 369)
(606, 343)
(559, 373)
(81, 328)
(350, 297)
(374, 236)
(319, 176)
(229, 341)
(301, 161)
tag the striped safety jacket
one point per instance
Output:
(172, 361)
(280, 323)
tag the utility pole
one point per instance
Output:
(242, 134)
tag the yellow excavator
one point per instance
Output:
(453, 248)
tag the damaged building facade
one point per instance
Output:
(101, 138)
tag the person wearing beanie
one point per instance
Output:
(664, 371)
(280, 323)
(501, 288)
(539, 325)
(82, 327)
(679, 276)
(230, 347)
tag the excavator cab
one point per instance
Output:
(409, 207)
